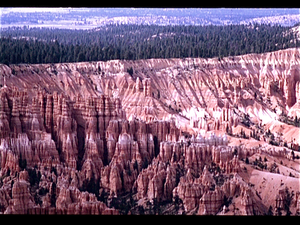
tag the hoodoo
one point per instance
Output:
(176, 136)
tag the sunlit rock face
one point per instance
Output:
(177, 136)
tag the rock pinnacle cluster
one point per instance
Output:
(174, 136)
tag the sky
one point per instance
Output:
(25, 9)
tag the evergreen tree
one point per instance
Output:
(81, 57)
(139, 42)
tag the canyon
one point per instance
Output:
(195, 136)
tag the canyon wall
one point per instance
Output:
(75, 138)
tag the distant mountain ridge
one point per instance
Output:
(86, 18)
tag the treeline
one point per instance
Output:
(43, 45)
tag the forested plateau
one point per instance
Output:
(132, 42)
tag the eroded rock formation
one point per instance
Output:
(176, 136)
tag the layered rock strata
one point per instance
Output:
(73, 141)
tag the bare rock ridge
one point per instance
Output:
(176, 136)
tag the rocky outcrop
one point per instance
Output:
(157, 181)
(21, 200)
(130, 148)
(211, 202)
(189, 190)
(66, 135)
(248, 202)
(72, 201)
(93, 156)
(87, 139)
